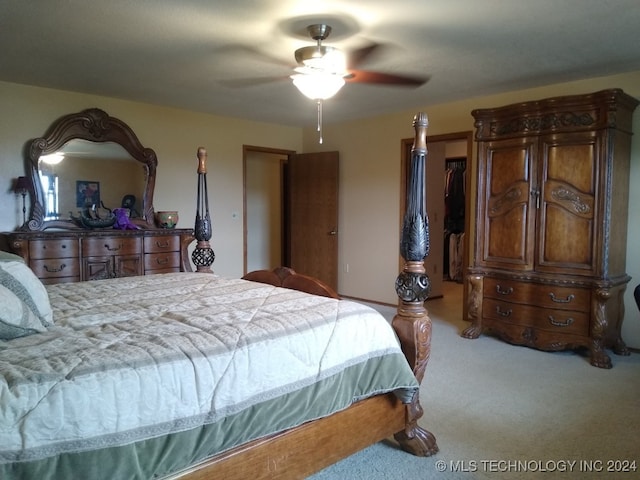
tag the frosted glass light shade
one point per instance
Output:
(53, 158)
(318, 86)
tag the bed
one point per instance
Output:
(191, 375)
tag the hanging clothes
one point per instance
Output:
(454, 201)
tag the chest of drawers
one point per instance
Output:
(73, 256)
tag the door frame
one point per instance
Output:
(406, 145)
(246, 150)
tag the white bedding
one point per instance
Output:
(141, 357)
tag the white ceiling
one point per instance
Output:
(204, 55)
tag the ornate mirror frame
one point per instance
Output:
(93, 125)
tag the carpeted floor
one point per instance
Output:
(503, 411)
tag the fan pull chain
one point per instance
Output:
(319, 121)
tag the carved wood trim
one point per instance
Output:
(288, 278)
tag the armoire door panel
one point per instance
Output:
(506, 244)
(566, 234)
(566, 241)
(508, 226)
(572, 163)
(508, 163)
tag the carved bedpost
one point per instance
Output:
(203, 255)
(412, 323)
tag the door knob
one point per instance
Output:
(333, 232)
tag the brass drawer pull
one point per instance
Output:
(503, 313)
(508, 291)
(162, 261)
(164, 244)
(114, 249)
(556, 323)
(562, 300)
(54, 270)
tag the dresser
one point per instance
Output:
(79, 255)
(551, 223)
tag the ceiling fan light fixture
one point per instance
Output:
(52, 158)
(319, 85)
(334, 61)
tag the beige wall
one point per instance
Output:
(370, 184)
(370, 152)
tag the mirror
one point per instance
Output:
(89, 160)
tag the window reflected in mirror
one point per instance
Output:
(50, 188)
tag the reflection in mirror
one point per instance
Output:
(89, 160)
(85, 174)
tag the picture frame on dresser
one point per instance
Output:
(92, 144)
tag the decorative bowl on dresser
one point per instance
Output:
(551, 223)
(60, 250)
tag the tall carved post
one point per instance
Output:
(203, 255)
(412, 323)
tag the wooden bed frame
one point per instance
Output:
(301, 451)
(288, 278)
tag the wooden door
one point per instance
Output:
(506, 212)
(312, 210)
(567, 226)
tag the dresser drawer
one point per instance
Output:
(162, 243)
(554, 320)
(54, 248)
(538, 294)
(169, 261)
(56, 268)
(100, 246)
(54, 280)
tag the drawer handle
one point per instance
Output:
(114, 249)
(162, 245)
(508, 291)
(162, 261)
(556, 323)
(54, 270)
(562, 300)
(503, 313)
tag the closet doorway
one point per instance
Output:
(444, 152)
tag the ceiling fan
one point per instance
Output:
(323, 70)
(324, 59)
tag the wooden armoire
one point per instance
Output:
(551, 223)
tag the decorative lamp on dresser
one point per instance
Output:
(104, 183)
(551, 223)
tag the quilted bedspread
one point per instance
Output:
(144, 357)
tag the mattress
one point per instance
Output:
(140, 377)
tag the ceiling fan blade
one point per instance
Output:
(357, 57)
(250, 82)
(246, 52)
(363, 76)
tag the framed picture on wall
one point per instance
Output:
(87, 193)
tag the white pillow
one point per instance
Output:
(16, 318)
(19, 279)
